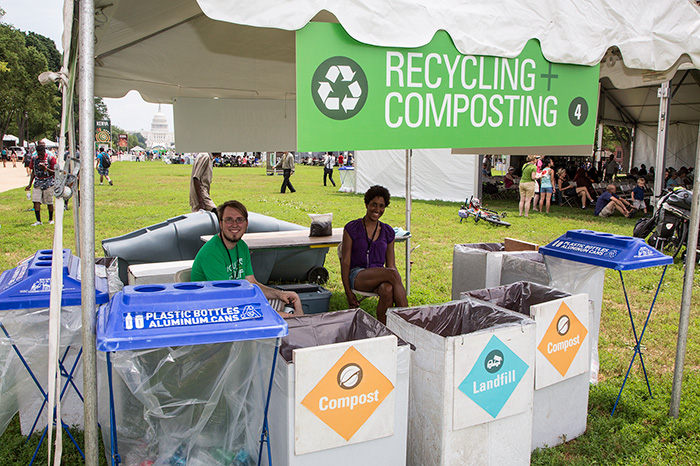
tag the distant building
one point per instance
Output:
(159, 137)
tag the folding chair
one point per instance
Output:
(362, 294)
(571, 201)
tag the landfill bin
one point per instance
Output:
(562, 353)
(24, 330)
(314, 298)
(184, 372)
(477, 266)
(471, 383)
(340, 393)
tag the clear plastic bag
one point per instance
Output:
(321, 225)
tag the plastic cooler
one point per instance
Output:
(186, 372)
(24, 331)
(314, 298)
(471, 383)
(560, 403)
(340, 393)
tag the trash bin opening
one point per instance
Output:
(490, 247)
(226, 284)
(149, 288)
(331, 327)
(518, 296)
(458, 317)
(188, 286)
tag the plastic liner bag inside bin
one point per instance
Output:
(28, 331)
(328, 358)
(562, 356)
(475, 267)
(199, 405)
(471, 383)
(524, 265)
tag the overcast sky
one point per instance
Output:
(45, 17)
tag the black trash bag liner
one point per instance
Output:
(519, 296)
(490, 247)
(331, 327)
(458, 317)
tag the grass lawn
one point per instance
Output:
(640, 433)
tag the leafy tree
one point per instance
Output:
(47, 48)
(22, 98)
(101, 111)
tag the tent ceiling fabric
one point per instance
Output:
(641, 105)
(245, 49)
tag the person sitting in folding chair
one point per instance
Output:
(368, 245)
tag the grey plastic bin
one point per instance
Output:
(471, 383)
(560, 406)
(315, 299)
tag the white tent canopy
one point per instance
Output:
(238, 51)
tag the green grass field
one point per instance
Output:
(640, 433)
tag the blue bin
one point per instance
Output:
(186, 371)
(24, 329)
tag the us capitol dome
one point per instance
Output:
(159, 137)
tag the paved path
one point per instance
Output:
(11, 178)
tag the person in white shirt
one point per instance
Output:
(328, 163)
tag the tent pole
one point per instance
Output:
(86, 89)
(664, 109)
(409, 154)
(687, 295)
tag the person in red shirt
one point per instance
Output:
(42, 168)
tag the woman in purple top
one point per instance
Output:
(368, 262)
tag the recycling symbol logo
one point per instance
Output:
(339, 88)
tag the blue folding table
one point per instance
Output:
(189, 359)
(24, 321)
(618, 253)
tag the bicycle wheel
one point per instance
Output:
(679, 239)
(496, 221)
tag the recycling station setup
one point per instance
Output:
(24, 353)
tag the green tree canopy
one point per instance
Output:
(26, 106)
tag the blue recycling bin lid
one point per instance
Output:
(605, 250)
(186, 314)
(28, 285)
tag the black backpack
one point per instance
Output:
(106, 161)
(643, 227)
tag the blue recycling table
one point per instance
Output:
(24, 299)
(186, 314)
(618, 253)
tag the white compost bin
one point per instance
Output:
(560, 406)
(471, 383)
(340, 395)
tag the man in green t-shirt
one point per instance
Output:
(227, 257)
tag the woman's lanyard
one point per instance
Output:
(230, 261)
(369, 240)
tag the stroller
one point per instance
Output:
(667, 230)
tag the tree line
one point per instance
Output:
(28, 109)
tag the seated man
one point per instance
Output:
(608, 201)
(226, 256)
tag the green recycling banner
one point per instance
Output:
(355, 96)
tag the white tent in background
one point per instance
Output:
(228, 67)
(49, 143)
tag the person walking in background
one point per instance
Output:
(328, 163)
(610, 168)
(104, 161)
(26, 161)
(527, 185)
(42, 167)
(546, 183)
(287, 164)
(340, 159)
(200, 182)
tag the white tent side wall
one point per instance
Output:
(437, 174)
(680, 150)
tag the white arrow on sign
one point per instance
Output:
(355, 89)
(349, 103)
(332, 73)
(347, 72)
(324, 90)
